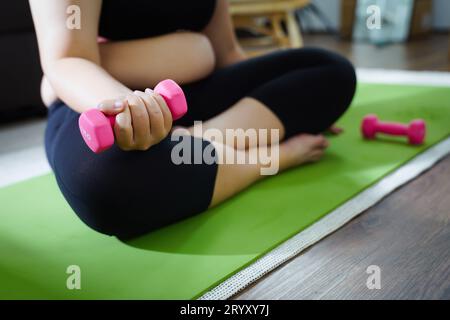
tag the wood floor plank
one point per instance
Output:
(407, 235)
(428, 53)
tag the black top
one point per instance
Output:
(135, 19)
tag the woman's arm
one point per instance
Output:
(70, 57)
(221, 35)
(71, 62)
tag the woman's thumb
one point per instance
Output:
(112, 107)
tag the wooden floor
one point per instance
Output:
(430, 53)
(407, 234)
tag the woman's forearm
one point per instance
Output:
(222, 37)
(82, 84)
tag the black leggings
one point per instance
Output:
(128, 194)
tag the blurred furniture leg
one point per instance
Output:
(348, 8)
(295, 36)
(274, 19)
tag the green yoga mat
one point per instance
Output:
(40, 236)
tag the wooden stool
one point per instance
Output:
(267, 17)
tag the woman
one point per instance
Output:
(135, 187)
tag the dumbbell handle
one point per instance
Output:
(396, 129)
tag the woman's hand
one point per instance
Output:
(143, 119)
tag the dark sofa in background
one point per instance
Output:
(20, 71)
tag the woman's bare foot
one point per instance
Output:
(232, 178)
(302, 149)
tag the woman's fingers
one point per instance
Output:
(157, 128)
(123, 130)
(143, 119)
(140, 122)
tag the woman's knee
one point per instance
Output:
(340, 67)
(345, 80)
(346, 74)
(332, 85)
(339, 77)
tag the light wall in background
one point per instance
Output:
(441, 14)
(331, 9)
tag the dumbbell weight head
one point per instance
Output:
(174, 97)
(416, 132)
(369, 126)
(97, 129)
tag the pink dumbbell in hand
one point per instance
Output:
(97, 128)
(415, 131)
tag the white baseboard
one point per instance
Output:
(421, 78)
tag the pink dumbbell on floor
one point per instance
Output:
(97, 129)
(415, 131)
